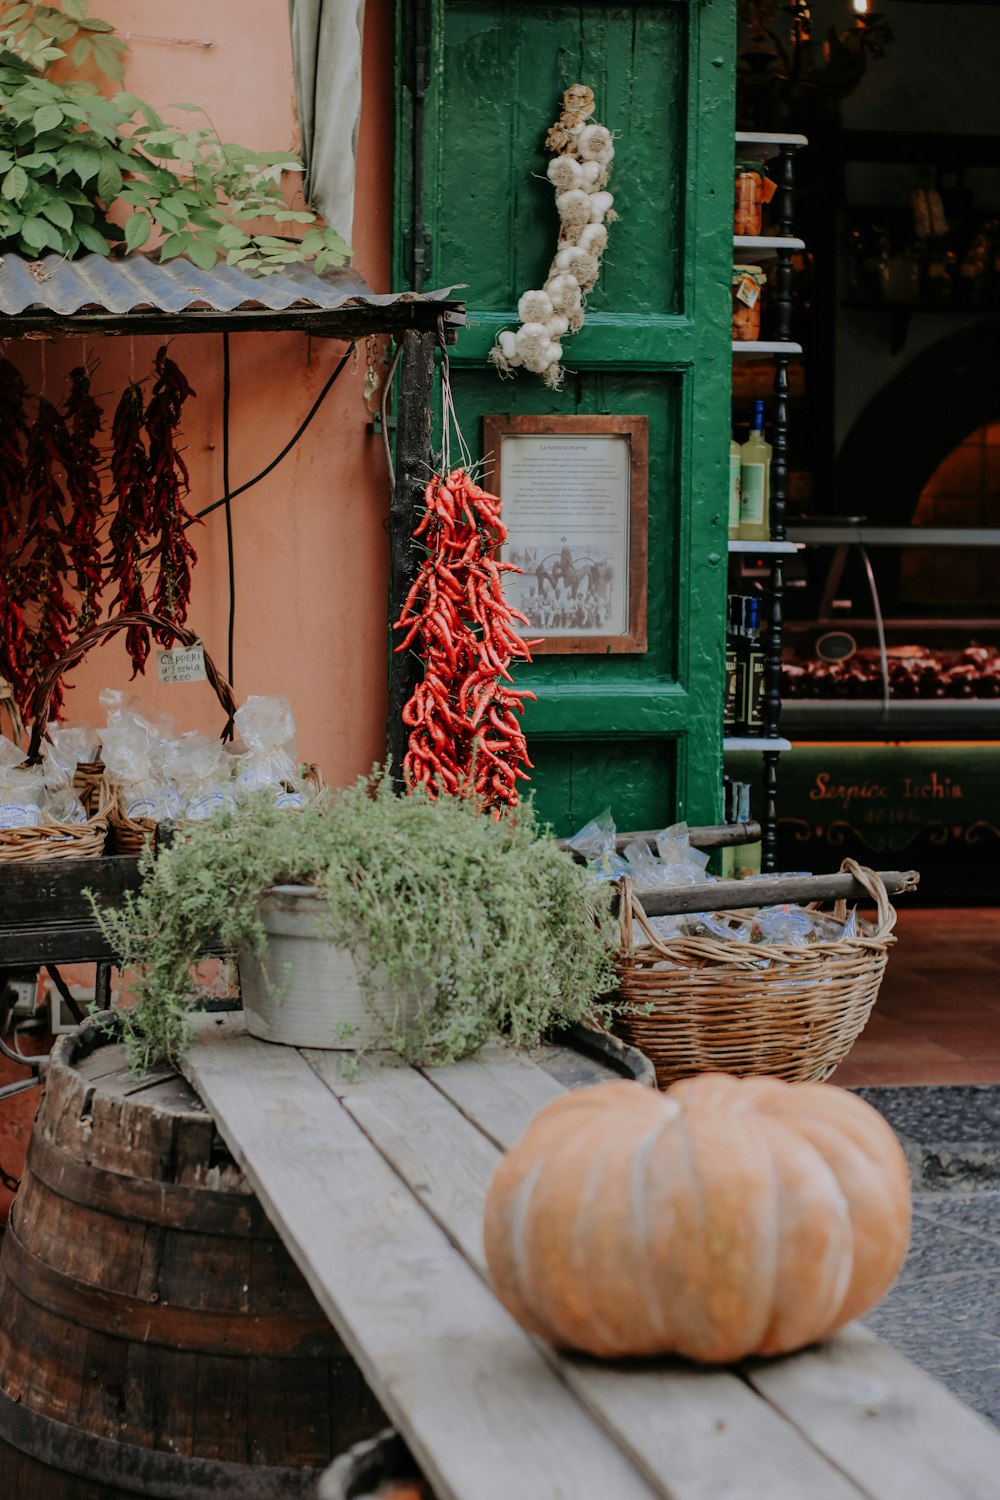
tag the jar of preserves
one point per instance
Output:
(752, 190)
(748, 282)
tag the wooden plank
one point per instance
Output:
(887, 1424)
(732, 895)
(453, 1371)
(499, 1095)
(701, 1433)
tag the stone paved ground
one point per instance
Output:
(944, 1311)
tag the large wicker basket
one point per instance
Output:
(125, 835)
(701, 1005)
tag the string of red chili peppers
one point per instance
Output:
(465, 733)
(52, 512)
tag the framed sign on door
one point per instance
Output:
(574, 492)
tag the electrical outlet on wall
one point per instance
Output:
(19, 991)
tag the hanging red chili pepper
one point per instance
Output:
(132, 521)
(13, 438)
(168, 483)
(465, 731)
(42, 571)
(84, 423)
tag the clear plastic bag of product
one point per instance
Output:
(201, 771)
(22, 791)
(59, 804)
(596, 840)
(69, 747)
(673, 845)
(853, 927)
(126, 708)
(788, 924)
(144, 788)
(267, 728)
(725, 928)
(10, 755)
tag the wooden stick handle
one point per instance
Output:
(755, 891)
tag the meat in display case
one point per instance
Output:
(861, 662)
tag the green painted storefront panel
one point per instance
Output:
(490, 152)
(576, 782)
(934, 807)
(656, 342)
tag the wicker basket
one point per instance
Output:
(61, 840)
(125, 835)
(704, 1005)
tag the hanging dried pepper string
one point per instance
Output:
(43, 570)
(173, 553)
(465, 731)
(133, 519)
(84, 464)
(13, 441)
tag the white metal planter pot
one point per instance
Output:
(305, 992)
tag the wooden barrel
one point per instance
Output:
(156, 1339)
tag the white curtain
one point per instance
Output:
(326, 53)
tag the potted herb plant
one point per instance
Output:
(365, 919)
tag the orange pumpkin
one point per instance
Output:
(723, 1218)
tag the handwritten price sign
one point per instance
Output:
(181, 664)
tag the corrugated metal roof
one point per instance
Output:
(55, 288)
(121, 286)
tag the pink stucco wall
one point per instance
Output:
(310, 543)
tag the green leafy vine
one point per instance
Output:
(69, 154)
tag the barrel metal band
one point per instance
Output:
(145, 1201)
(143, 1471)
(138, 1319)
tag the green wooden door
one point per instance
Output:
(641, 733)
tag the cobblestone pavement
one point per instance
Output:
(944, 1311)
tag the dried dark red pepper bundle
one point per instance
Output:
(13, 440)
(49, 614)
(84, 463)
(131, 524)
(173, 553)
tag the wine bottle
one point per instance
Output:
(732, 717)
(755, 481)
(735, 461)
(753, 668)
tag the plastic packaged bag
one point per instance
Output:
(69, 747)
(129, 761)
(788, 924)
(267, 728)
(22, 791)
(126, 708)
(201, 771)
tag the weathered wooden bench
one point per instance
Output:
(376, 1184)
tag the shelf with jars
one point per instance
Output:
(765, 248)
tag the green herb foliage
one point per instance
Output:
(512, 937)
(68, 154)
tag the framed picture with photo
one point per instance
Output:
(575, 504)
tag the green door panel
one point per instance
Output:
(646, 727)
(575, 782)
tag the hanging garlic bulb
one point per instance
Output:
(535, 307)
(579, 172)
(565, 172)
(593, 239)
(593, 142)
(564, 292)
(601, 207)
